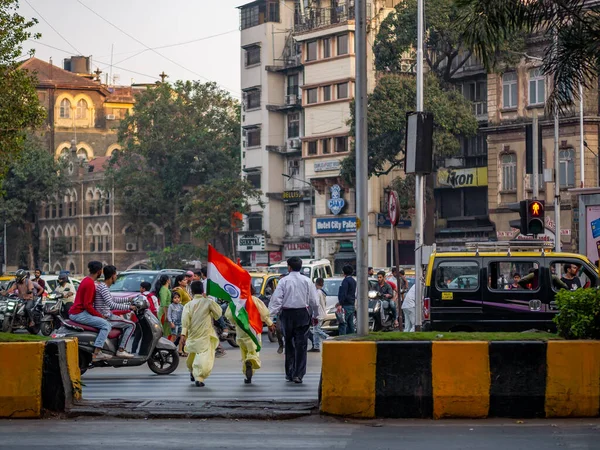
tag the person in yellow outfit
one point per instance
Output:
(250, 357)
(198, 334)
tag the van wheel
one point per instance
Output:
(462, 328)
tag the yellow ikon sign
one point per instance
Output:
(457, 178)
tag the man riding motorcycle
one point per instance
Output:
(66, 288)
(386, 293)
(26, 291)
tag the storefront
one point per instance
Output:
(254, 252)
(300, 249)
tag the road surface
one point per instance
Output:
(225, 383)
(312, 433)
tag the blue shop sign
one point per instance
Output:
(336, 225)
(383, 220)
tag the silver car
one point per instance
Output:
(331, 288)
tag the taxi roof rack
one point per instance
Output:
(508, 246)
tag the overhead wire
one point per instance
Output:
(233, 92)
(54, 29)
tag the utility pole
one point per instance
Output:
(362, 176)
(535, 153)
(419, 179)
(556, 161)
(581, 139)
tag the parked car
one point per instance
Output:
(312, 268)
(331, 288)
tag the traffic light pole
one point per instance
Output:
(535, 153)
(556, 163)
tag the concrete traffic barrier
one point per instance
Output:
(21, 375)
(450, 379)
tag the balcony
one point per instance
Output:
(316, 18)
(292, 146)
(292, 102)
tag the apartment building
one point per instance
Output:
(513, 97)
(272, 126)
(326, 33)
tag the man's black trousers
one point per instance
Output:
(295, 324)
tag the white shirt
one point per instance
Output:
(409, 298)
(295, 291)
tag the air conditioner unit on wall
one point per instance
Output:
(291, 99)
(110, 117)
(131, 246)
(295, 143)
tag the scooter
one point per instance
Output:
(230, 336)
(381, 316)
(54, 314)
(15, 317)
(158, 352)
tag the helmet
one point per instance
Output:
(20, 274)
(140, 302)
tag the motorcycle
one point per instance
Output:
(158, 352)
(381, 316)
(272, 334)
(14, 316)
(54, 315)
(230, 336)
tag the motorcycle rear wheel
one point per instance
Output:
(35, 329)
(47, 328)
(84, 362)
(163, 362)
(6, 325)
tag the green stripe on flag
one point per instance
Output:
(241, 317)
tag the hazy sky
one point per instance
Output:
(153, 23)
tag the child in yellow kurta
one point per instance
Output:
(250, 357)
(198, 334)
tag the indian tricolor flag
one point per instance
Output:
(228, 281)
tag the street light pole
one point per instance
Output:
(312, 210)
(362, 176)
(556, 161)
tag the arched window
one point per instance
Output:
(106, 237)
(82, 107)
(65, 109)
(72, 267)
(89, 232)
(107, 203)
(82, 154)
(567, 167)
(509, 172)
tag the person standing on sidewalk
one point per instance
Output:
(296, 299)
(347, 300)
(198, 334)
(318, 333)
(83, 310)
(409, 309)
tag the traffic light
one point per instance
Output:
(535, 216)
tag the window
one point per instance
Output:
(325, 146)
(505, 275)
(326, 48)
(292, 84)
(253, 99)
(326, 93)
(82, 107)
(312, 96)
(537, 87)
(254, 179)
(457, 275)
(293, 129)
(82, 154)
(254, 222)
(567, 167)
(342, 44)
(258, 14)
(583, 274)
(311, 50)
(476, 92)
(312, 147)
(509, 90)
(341, 144)
(253, 137)
(342, 90)
(289, 217)
(509, 172)
(65, 109)
(60, 209)
(252, 55)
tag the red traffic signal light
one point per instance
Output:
(535, 217)
(536, 209)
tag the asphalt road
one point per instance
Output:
(225, 383)
(313, 433)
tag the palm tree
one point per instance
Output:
(575, 59)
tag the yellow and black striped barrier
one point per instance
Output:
(451, 379)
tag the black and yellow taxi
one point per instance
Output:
(501, 286)
(264, 285)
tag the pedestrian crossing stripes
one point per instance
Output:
(219, 386)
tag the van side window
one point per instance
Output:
(457, 275)
(571, 274)
(328, 273)
(513, 275)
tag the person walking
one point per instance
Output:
(347, 300)
(198, 335)
(296, 299)
(409, 310)
(161, 289)
(174, 317)
(250, 357)
(181, 285)
(317, 332)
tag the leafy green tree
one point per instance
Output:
(179, 136)
(488, 23)
(393, 97)
(33, 178)
(212, 210)
(19, 106)
(176, 256)
(445, 51)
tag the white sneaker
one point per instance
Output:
(100, 356)
(124, 354)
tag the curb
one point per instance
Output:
(461, 379)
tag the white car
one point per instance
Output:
(312, 268)
(331, 288)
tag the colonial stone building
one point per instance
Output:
(82, 122)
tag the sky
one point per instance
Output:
(69, 28)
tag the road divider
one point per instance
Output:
(37, 376)
(466, 379)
